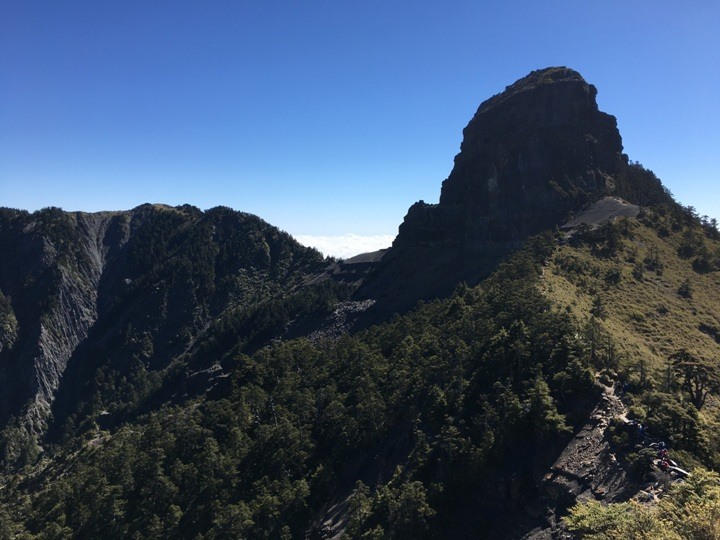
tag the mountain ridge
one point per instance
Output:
(530, 156)
(84, 264)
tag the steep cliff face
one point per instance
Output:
(83, 288)
(531, 155)
(51, 277)
(528, 157)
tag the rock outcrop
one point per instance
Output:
(587, 469)
(529, 157)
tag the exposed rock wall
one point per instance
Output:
(529, 157)
(124, 293)
(58, 300)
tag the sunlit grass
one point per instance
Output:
(647, 316)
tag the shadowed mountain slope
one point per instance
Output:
(125, 292)
(530, 156)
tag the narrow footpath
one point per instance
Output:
(589, 469)
(586, 469)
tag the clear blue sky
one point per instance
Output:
(327, 117)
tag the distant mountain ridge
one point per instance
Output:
(165, 272)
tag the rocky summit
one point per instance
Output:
(530, 156)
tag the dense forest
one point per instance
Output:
(439, 422)
(445, 391)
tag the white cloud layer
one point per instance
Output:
(347, 245)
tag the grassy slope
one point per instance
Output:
(647, 317)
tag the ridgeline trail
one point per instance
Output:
(590, 468)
